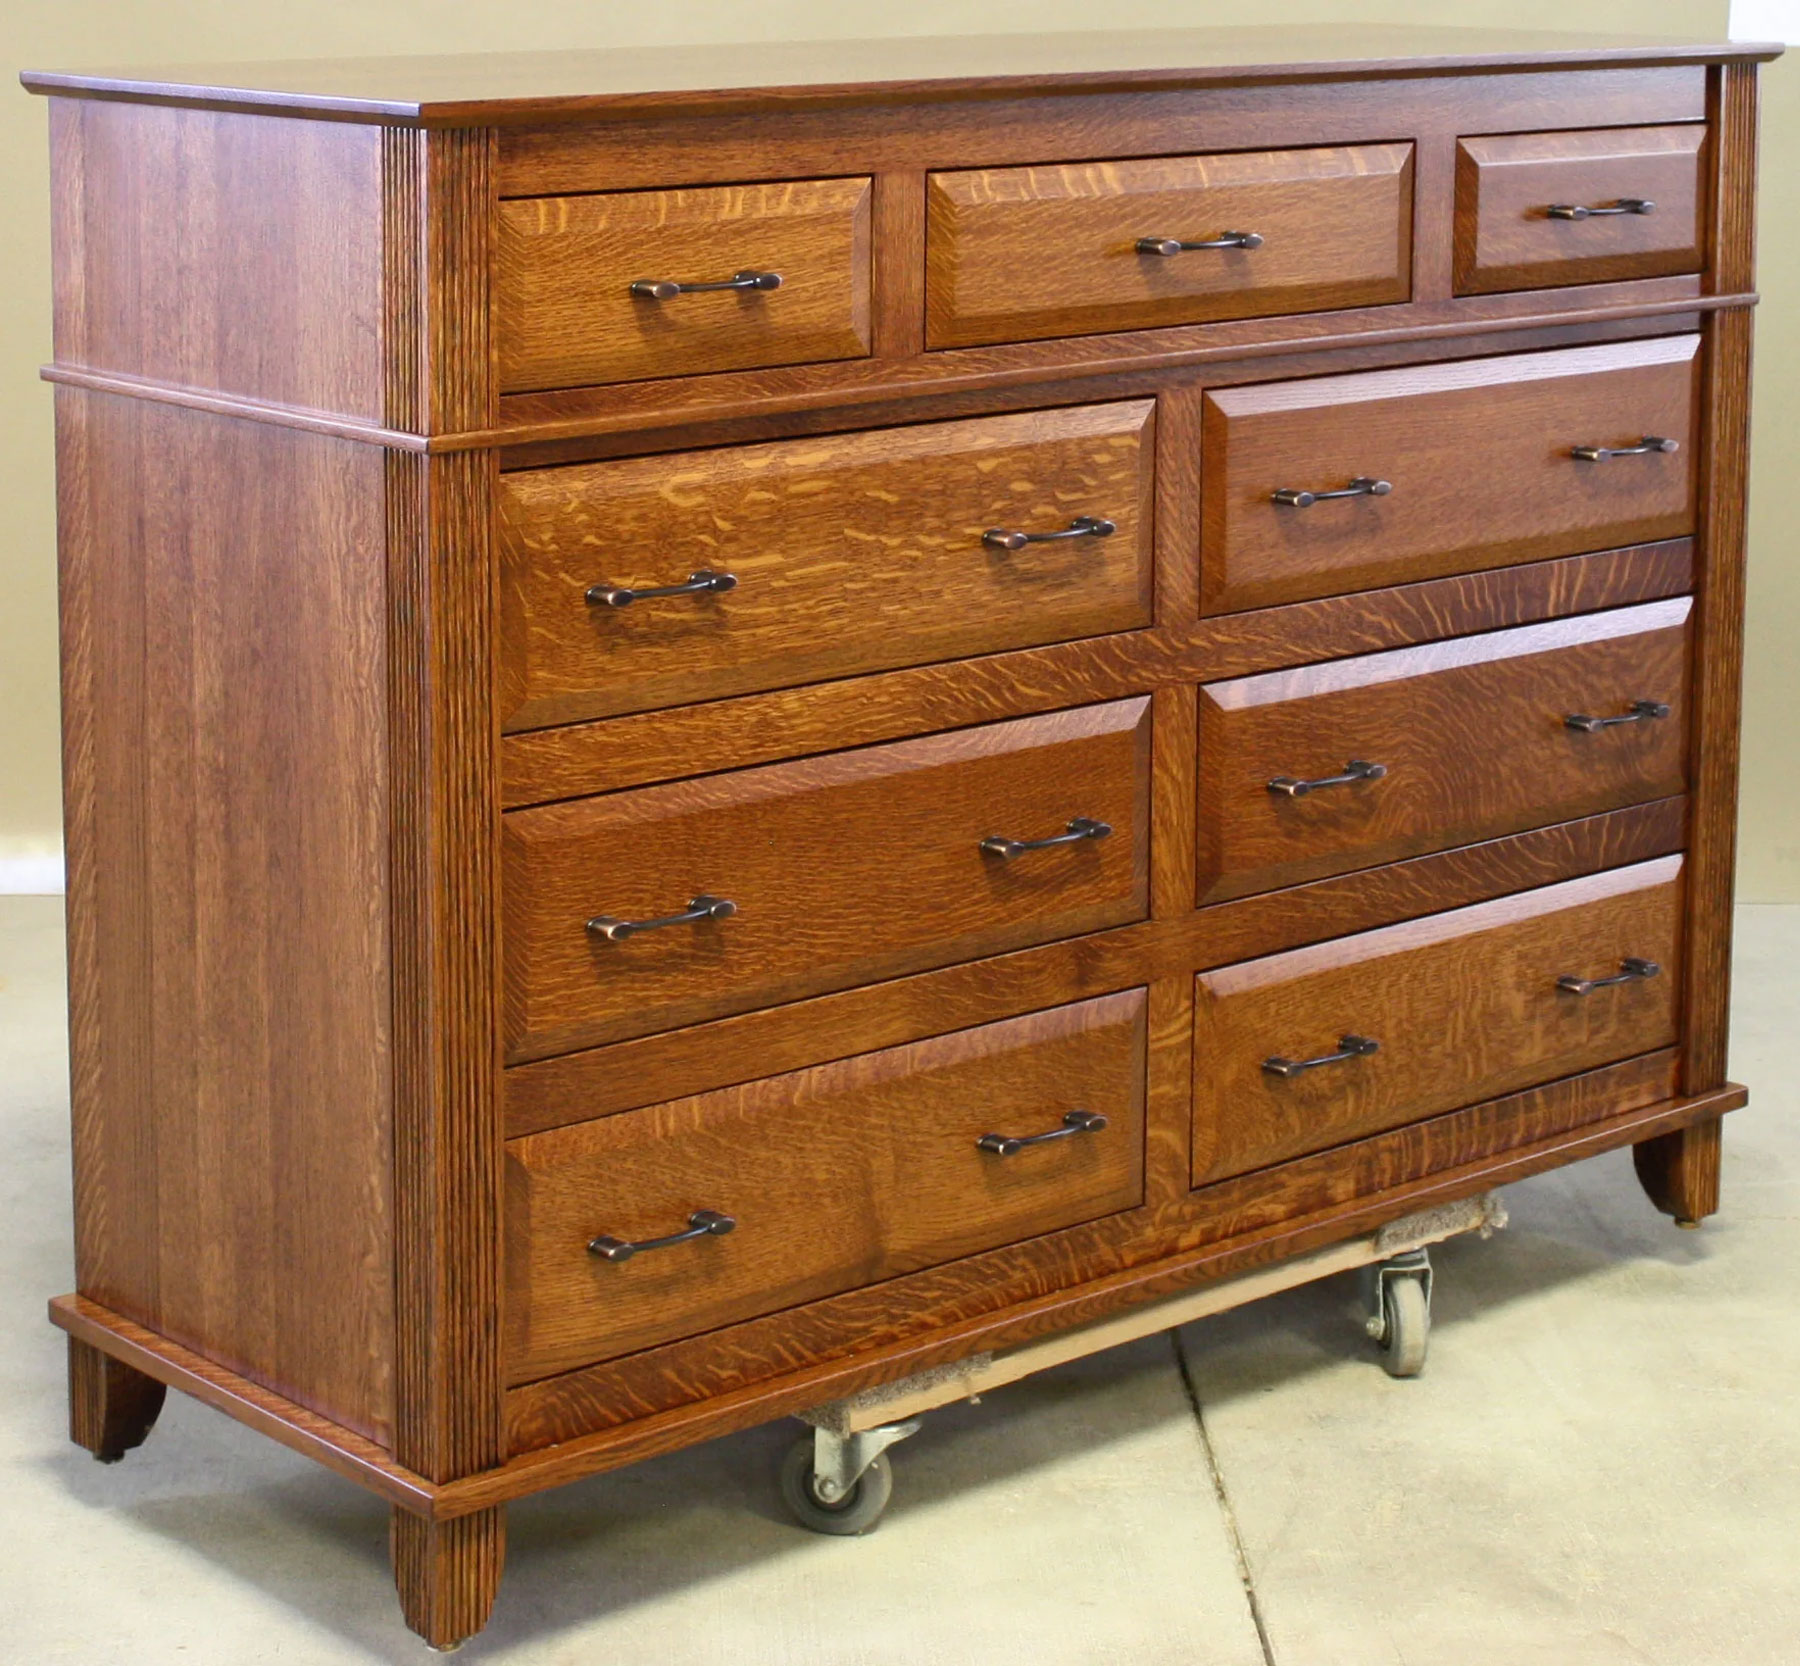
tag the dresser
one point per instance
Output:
(740, 722)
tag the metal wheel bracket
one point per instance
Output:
(839, 1460)
(1414, 1263)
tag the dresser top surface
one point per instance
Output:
(480, 89)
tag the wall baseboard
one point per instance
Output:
(32, 876)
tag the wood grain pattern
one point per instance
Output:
(226, 814)
(564, 312)
(1505, 239)
(1478, 458)
(1471, 735)
(599, 1081)
(1465, 1006)
(637, 749)
(844, 869)
(851, 553)
(112, 1405)
(1020, 254)
(897, 228)
(896, 1130)
(447, 1572)
(1679, 1171)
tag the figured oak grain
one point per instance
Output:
(1470, 732)
(1478, 458)
(1024, 253)
(895, 1131)
(852, 553)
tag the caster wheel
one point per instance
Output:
(1405, 1326)
(856, 1512)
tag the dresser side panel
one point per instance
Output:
(226, 728)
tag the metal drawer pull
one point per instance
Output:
(666, 289)
(1082, 827)
(701, 908)
(1349, 1047)
(1083, 526)
(703, 1223)
(1642, 711)
(1225, 240)
(1588, 211)
(1645, 447)
(1356, 770)
(704, 582)
(1073, 1122)
(1364, 485)
(1631, 970)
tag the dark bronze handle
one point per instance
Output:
(1082, 827)
(703, 1223)
(1588, 211)
(701, 908)
(1363, 485)
(1642, 711)
(1073, 1122)
(1631, 970)
(1083, 526)
(1645, 447)
(704, 582)
(666, 289)
(1356, 770)
(1349, 1047)
(1225, 240)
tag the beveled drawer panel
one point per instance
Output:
(836, 870)
(846, 553)
(1344, 765)
(1461, 1007)
(1538, 209)
(566, 312)
(1479, 458)
(833, 1177)
(1017, 254)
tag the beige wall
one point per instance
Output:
(73, 33)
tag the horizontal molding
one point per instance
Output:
(36, 875)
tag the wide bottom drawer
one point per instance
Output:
(1308, 1049)
(828, 1178)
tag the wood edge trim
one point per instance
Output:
(233, 405)
(351, 1455)
(930, 380)
(762, 1402)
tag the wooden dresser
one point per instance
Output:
(657, 643)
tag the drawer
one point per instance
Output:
(1016, 254)
(829, 871)
(1538, 209)
(1479, 458)
(833, 1177)
(1461, 1007)
(1471, 739)
(850, 553)
(571, 276)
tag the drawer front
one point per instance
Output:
(1478, 456)
(566, 314)
(834, 1177)
(850, 553)
(1017, 254)
(839, 870)
(1471, 740)
(1462, 1007)
(1538, 209)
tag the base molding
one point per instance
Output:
(361, 1460)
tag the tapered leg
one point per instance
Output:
(1680, 1171)
(447, 1572)
(111, 1406)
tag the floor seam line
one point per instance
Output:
(1251, 1600)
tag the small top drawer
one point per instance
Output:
(629, 285)
(1017, 254)
(1538, 209)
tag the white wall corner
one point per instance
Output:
(1766, 20)
(37, 873)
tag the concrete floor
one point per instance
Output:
(1601, 1464)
